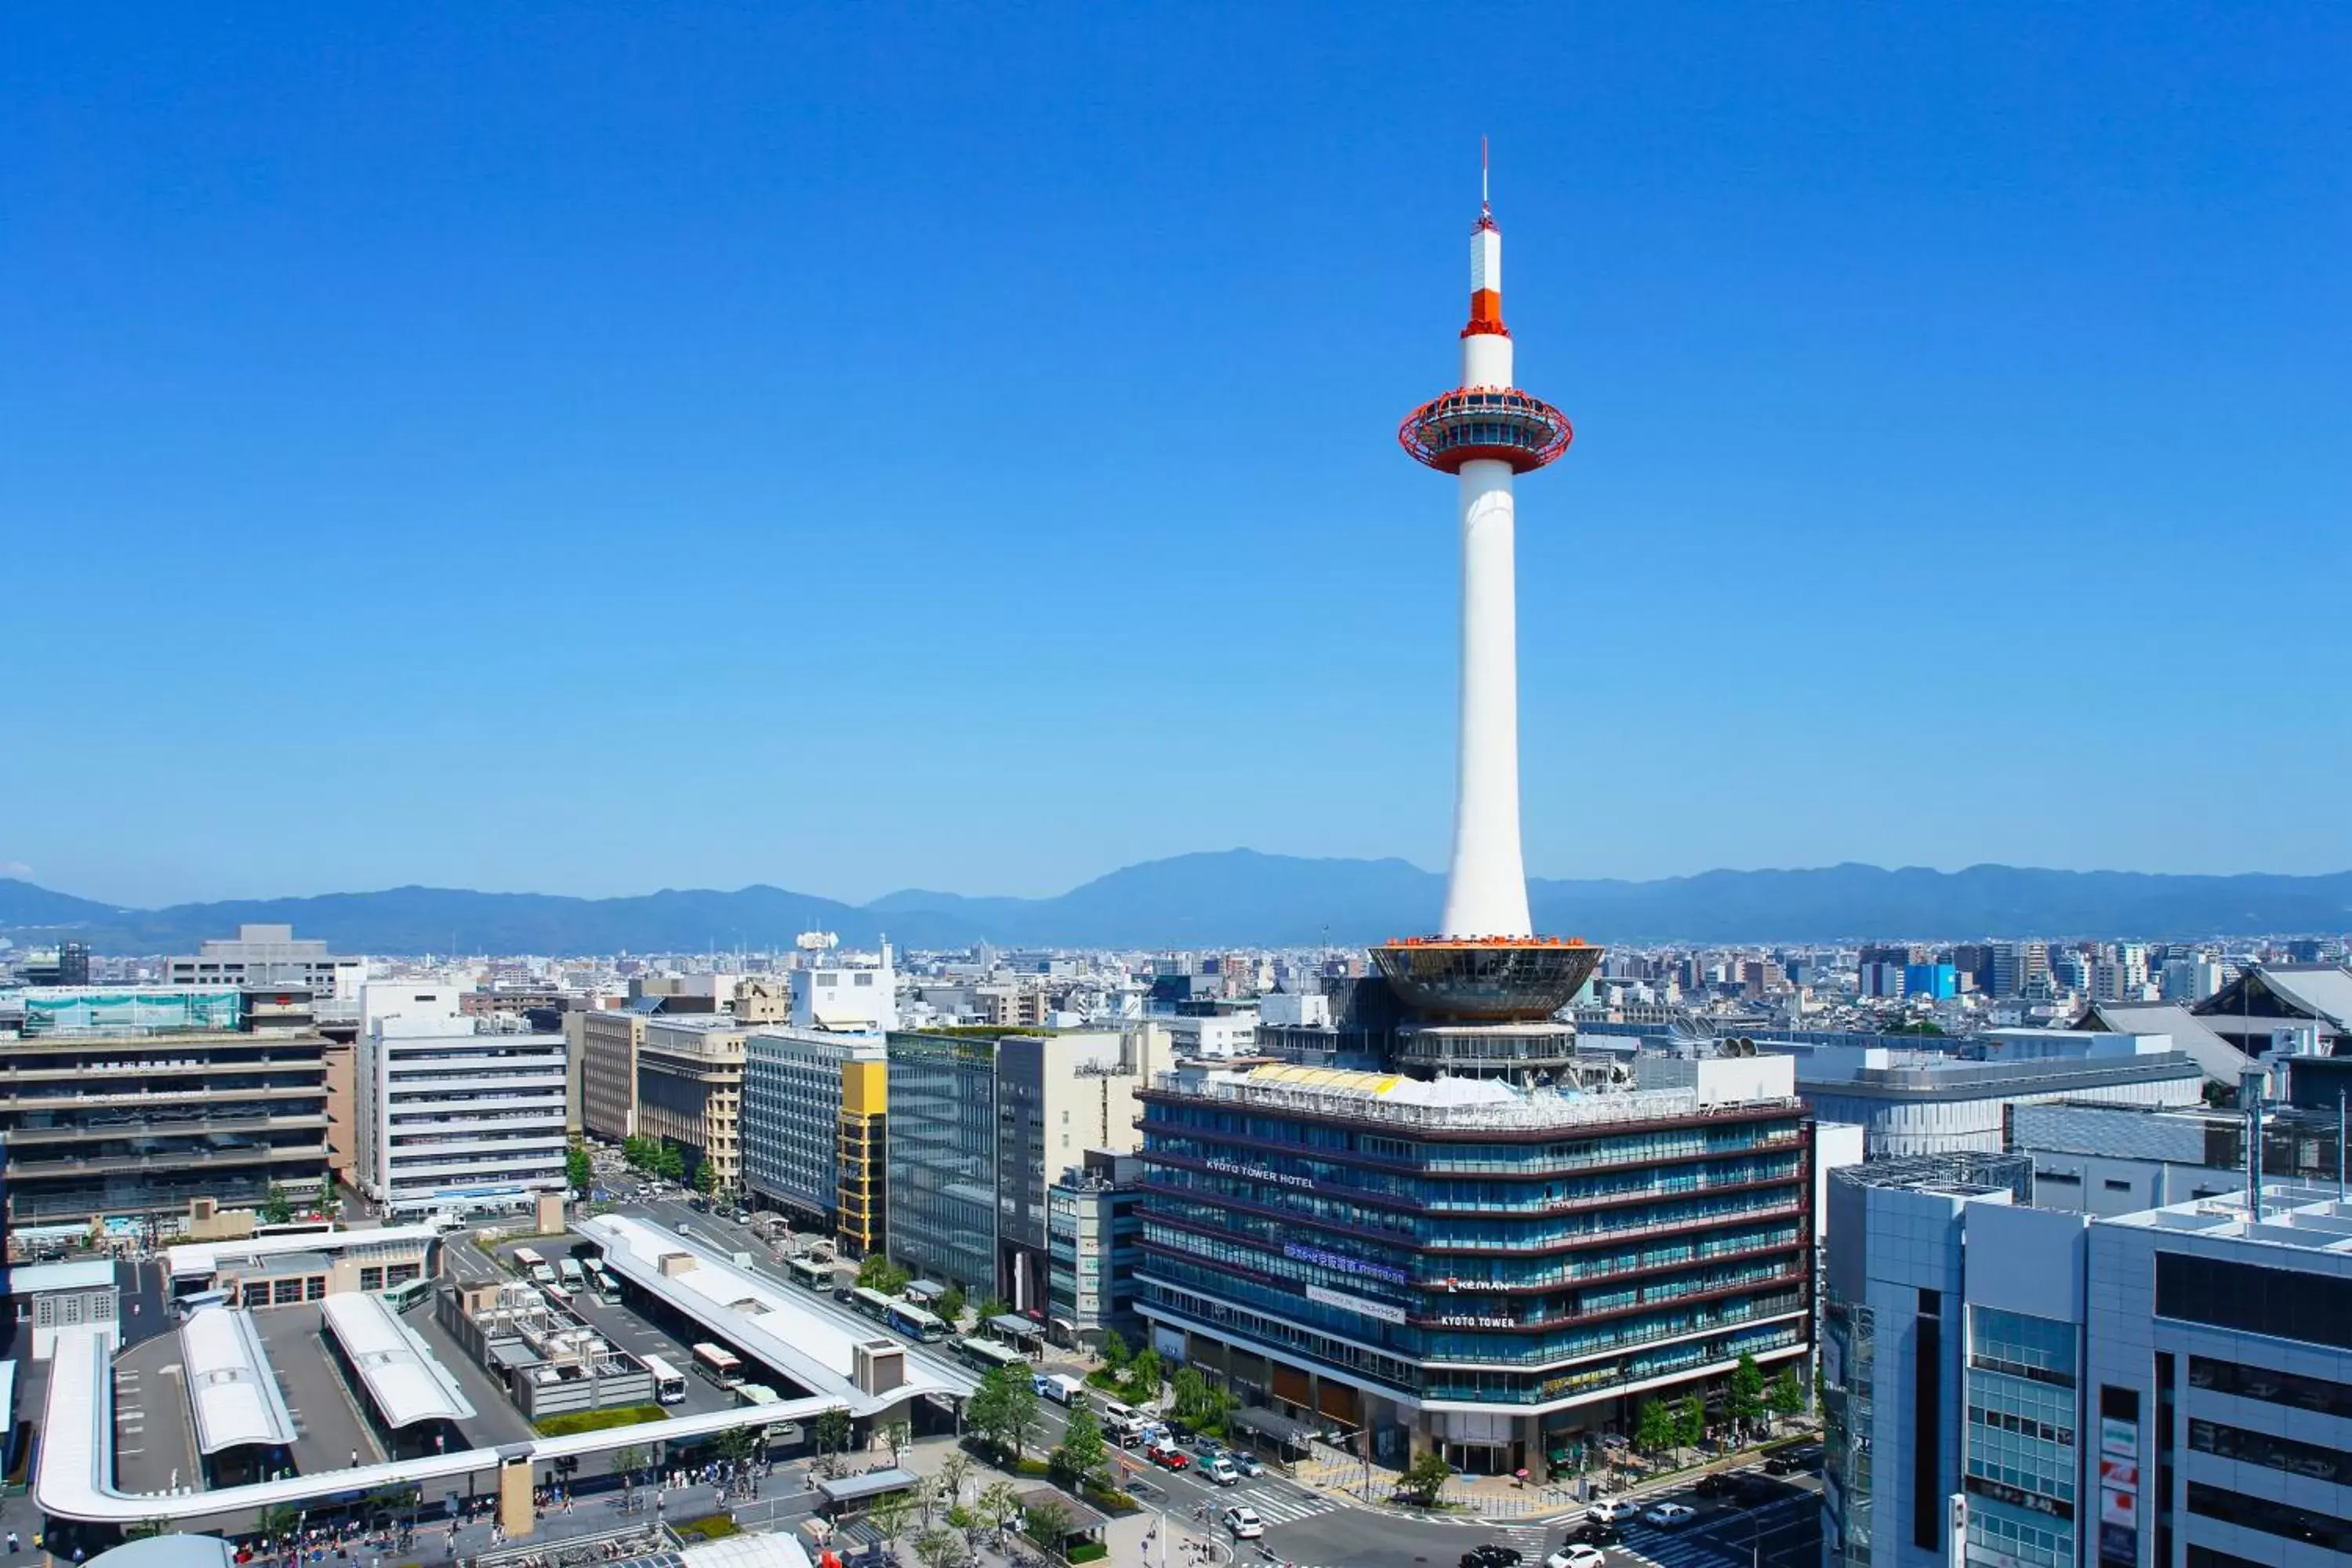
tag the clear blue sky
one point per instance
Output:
(590, 448)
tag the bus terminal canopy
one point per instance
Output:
(1013, 1326)
(862, 1488)
(1267, 1424)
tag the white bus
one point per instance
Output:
(600, 1280)
(808, 1271)
(526, 1261)
(568, 1270)
(720, 1365)
(669, 1383)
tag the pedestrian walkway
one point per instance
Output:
(1283, 1504)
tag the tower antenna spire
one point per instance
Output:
(1485, 208)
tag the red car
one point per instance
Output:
(1171, 1459)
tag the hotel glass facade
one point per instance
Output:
(1493, 1277)
(792, 1115)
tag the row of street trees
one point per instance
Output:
(660, 1157)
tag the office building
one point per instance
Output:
(980, 1124)
(260, 957)
(1928, 1102)
(1493, 1273)
(861, 1217)
(2192, 979)
(132, 1101)
(690, 1093)
(1093, 1228)
(2021, 969)
(794, 1104)
(608, 1042)
(1894, 1345)
(849, 994)
(452, 1120)
(2170, 1388)
(2111, 1160)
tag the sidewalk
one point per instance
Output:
(1502, 1497)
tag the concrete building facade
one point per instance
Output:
(690, 1092)
(458, 1121)
(792, 1105)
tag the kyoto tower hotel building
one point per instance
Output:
(1463, 1250)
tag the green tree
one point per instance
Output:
(1690, 1423)
(628, 1462)
(951, 1305)
(1425, 1479)
(1653, 1429)
(878, 1273)
(1082, 1453)
(899, 1435)
(276, 1208)
(1115, 1351)
(1000, 1504)
(1003, 1409)
(705, 1178)
(941, 1548)
(891, 1516)
(669, 1162)
(735, 1444)
(994, 1306)
(832, 1431)
(636, 1153)
(1747, 1402)
(1189, 1391)
(955, 1472)
(1786, 1395)
(1047, 1523)
(579, 1170)
(1143, 1378)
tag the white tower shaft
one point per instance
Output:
(1486, 894)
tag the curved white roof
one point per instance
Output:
(403, 1376)
(748, 1551)
(231, 1391)
(780, 1325)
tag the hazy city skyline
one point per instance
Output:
(484, 414)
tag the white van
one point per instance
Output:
(1120, 1422)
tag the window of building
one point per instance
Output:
(45, 1312)
(288, 1292)
(256, 1294)
(371, 1278)
(2283, 1520)
(2280, 1302)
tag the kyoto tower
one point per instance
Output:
(1486, 961)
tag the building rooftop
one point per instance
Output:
(231, 1389)
(2309, 1219)
(40, 1278)
(778, 1324)
(1443, 1103)
(407, 1383)
(204, 1258)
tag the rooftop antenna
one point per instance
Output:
(1486, 210)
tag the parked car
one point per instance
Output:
(1611, 1510)
(1670, 1515)
(1577, 1554)
(1244, 1523)
(1169, 1459)
(1490, 1554)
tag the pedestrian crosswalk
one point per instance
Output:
(1281, 1505)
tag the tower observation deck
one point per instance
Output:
(1486, 963)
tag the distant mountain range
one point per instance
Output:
(1242, 898)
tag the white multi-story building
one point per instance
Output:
(265, 956)
(448, 1118)
(847, 994)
